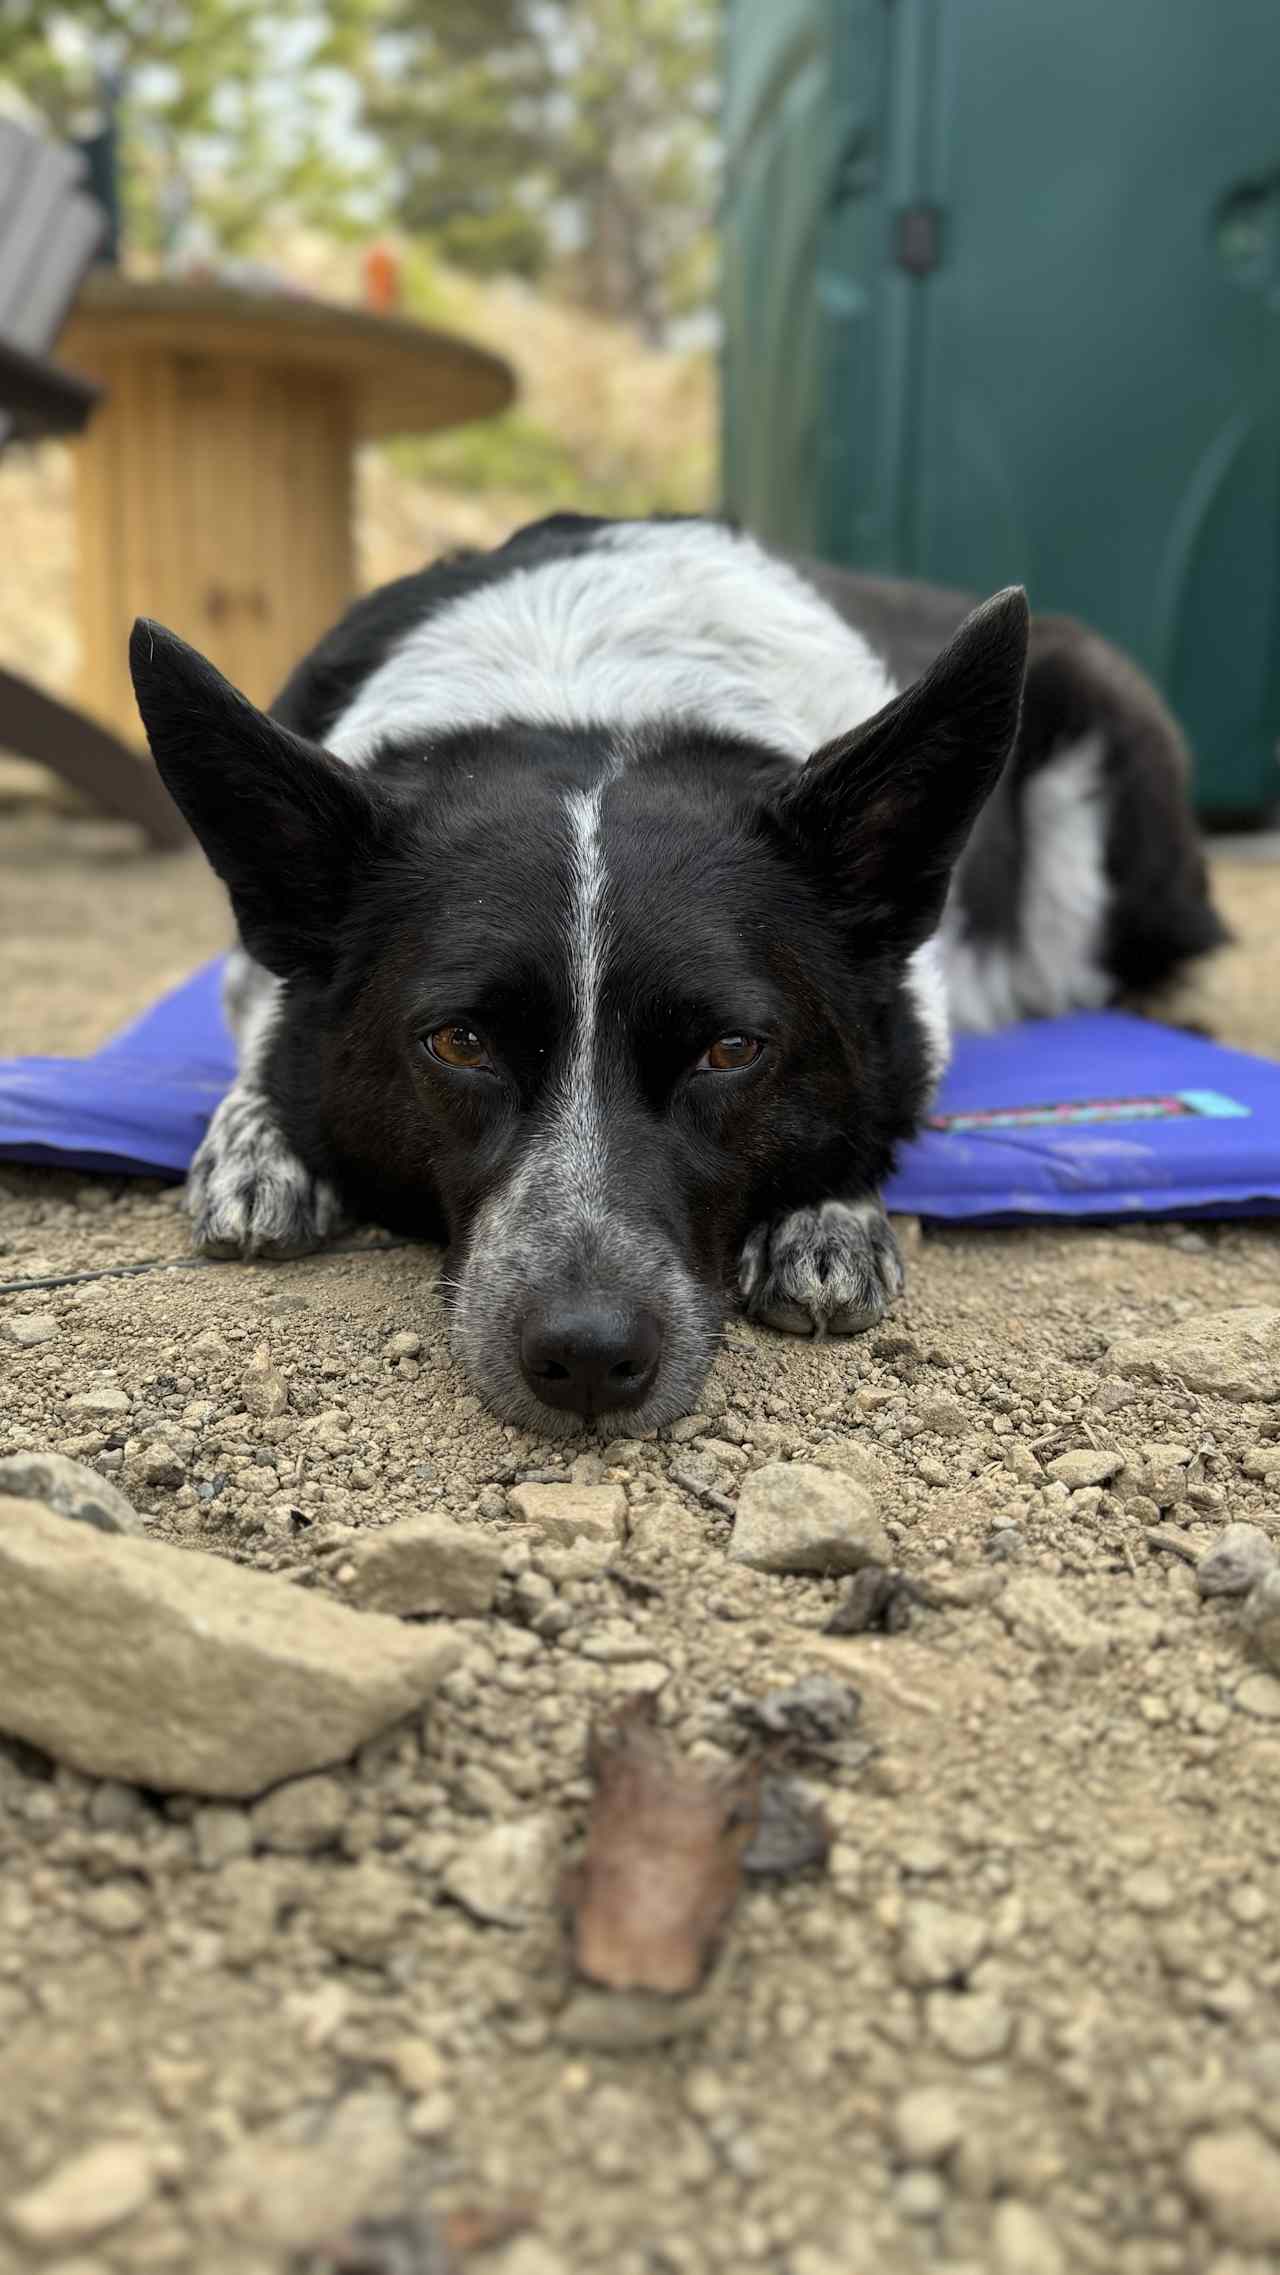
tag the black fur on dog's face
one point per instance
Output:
(589, 1007)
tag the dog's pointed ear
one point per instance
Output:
(281, 821)
(884, 811)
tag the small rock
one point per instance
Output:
(263, 1390)
(167, 1669)
(971, 2026)
(1234, 2177)
(28, 1329)
(425, 1566)
(1262, 1619)
(85, 2197)
(507, 1875)
(161, 1466)
(613, 1644)
(361, 1914)
(417, 2065)
(1228, 1354)
(69, 1487)
(1086, 1466)
(944, 1416)
(938, 1945)
(1023, 2243)
(116, 1909)
(405, 1345)
(221, 1834)
(1242, 1555)
(852, 1459)
(918, 2196)
(566, 1513)
(107, 1402)
(1149, 1890)
(792, 1833)
(1259, 1695)
(817, 1711)
(302, 1817)
(795, 1517)
(1041, 1614)
(1264, 1462)
(926, 2125)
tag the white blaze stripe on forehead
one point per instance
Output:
(578, 1143)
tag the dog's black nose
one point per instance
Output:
(589, 1354)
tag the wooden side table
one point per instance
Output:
(214, 486)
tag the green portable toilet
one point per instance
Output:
(1002, 301)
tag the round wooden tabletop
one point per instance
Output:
(404, 377)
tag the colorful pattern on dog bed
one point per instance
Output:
(1099, 1115)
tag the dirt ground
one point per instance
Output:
(1053, 1895)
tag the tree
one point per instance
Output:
(567, 136)
(226, 112)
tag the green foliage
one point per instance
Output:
(567, 140)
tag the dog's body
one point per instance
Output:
(618, 938)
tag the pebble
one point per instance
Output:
(167, 1669)
(926, 2125)
(527, 2255)
(115, 1909)
(1086, 1466)
(220, 1833)
(1241, 1556)
(1234, 2176)
(1228, 1354)
(404, 1345)
(795, 1517)
(71, 1488)
(85, 2197)
(1023, 2243)
(28, 1329)
(107, 1402)
(361, 1913)
(1264, 1462)
(565, 1513)
(424, 1567)
(613, 1644)
(302, 1817)
(506, 1876)
(938, 1945)
(971, 2026)
(918, 2196)
(1259, 1695)
(1149, 1890)
(264, 1390)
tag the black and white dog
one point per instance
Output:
(605, 912)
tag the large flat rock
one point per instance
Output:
(165, 1668)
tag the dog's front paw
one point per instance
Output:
(247, 1192)
(829, 1270)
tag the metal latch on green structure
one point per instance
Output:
(917, 238)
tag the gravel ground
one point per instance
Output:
(1026, 2020)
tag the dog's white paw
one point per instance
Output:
(247, 1192)
(829, 1270)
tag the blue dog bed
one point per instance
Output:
(1099, 1115)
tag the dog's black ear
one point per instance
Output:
(884, 811)
(281, 821)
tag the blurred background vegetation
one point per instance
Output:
(545, 170)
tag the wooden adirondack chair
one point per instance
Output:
(49, 233)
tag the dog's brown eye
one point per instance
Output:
(458, 1046)
(729, 1052)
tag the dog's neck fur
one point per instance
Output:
(724, 638)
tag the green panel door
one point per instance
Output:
(1032, 321)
